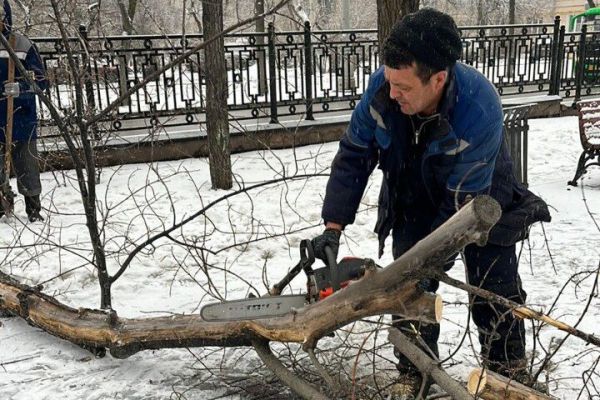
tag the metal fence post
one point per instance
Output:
(272, 72)
(89, 88)
(560, 59)
(580, 64)
(554, 69)
(308, 72)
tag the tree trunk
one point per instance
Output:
(391, 290)
(390, 11)
(127, 15)
(480, 12)
(261, 59)
(513, 48)
(123, 336)
(217, 122)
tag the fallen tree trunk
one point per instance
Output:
(488, 385)
(391, 290)
(124, 337)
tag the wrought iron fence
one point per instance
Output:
(580, 63)
(307, 72)
(516, 58)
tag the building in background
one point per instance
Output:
(568, 9)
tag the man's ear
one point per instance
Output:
(439, 79)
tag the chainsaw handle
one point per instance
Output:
(307, 259)
(307, 254)
(333, 268)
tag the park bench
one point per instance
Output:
(515, 133)
(589, 135)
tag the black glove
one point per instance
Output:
(329, 238)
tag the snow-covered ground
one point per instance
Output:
(140, 200)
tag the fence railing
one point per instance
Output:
(277, 74)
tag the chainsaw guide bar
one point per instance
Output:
(259, 307)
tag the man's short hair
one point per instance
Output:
(428, 38)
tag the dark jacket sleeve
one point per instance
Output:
(355, 160)
(33, 62)
(350, 172)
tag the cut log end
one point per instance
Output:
(487, 209)
(488, 385)
(439, 308)
(476, 382)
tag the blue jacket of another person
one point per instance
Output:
(25, 109)
(469, 157)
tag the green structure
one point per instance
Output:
(592, 12)
(591, 55)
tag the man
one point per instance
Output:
(24, 126)
(435, 127)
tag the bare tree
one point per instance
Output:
(127, 15)
(511, 11)
(217, 117)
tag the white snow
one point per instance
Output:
(141, 200)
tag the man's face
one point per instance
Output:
(412, 94)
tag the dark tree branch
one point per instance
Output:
(518, 309)
(167, 232)
(298, 385)
(428, 366)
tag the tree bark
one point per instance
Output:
(124, 337)
(511, 11)
(127, 15)
(481, 12)
(488, 385)
(261, 59)
(217, 118)
(389, 12)
(259, 9)
(391, 290)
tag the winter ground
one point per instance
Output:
(167, 278)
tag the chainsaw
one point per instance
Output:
(321, 283)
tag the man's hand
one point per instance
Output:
(329, 238)
(12, 89)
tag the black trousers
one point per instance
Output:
(501, 335)
(25, 163)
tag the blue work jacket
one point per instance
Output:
(25, 111)
(468, 156)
